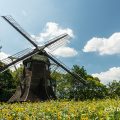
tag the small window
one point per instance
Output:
(47, 67)
(29, 65)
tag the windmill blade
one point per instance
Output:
(16, 56)
(75, 75)
(53, 41)
(54, 66)
(57, 42)
(23, 55)
(15, 25)
(19, 57)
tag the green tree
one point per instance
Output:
(70, 88)
(92, 89)
(7, 84)
(114, 89)
(63, 86)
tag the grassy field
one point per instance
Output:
(108, 109)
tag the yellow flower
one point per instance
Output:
(59, 115)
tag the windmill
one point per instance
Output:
(35, 81)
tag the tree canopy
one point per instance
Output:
(8, 83)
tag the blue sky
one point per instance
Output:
(88, 19)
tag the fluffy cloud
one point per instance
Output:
(108, 76)
(68, 52)
(3, 55)
(104, 46)
(52, 30)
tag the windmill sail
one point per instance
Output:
(29, 52)
(59, 63)
(18, 57)
(12, 58)
(63, 41)
(15, 25)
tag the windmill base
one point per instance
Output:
(32, 92)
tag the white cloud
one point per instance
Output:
(108, 76)
(52, 30)
(65, 52)
(3, 55)
(104, 46)
(4, 58)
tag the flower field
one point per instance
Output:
(62, 110)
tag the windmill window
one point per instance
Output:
(47, 67)
(29, 65)
(49, 82)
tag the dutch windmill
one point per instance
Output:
(35, 82)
